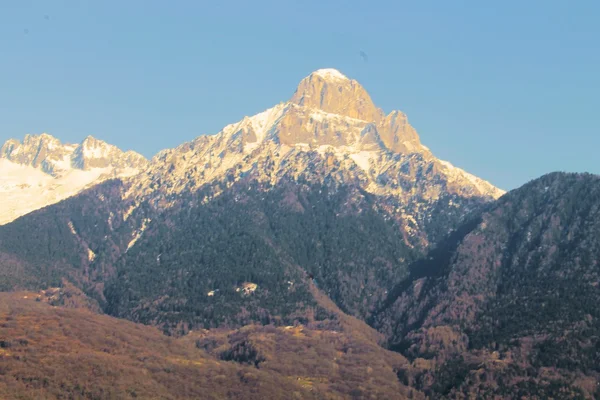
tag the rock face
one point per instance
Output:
(330, 91)
(41, 170)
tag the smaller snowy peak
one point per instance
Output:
(39, 151)
(330, 73)
(92, 148)
(40, 170)
(56, 158)
(134, 159)
(96, 153)
(50, 155)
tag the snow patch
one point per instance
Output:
(362, 159)
(484, 187)
(261, 124)
(138, 234)
(250, 147)
(320, 115)
(265, 120)
(72, 228)
(91, 255)
(317, 116)
(64, 164)
(96, 152)
(128, 172)
(24, 189)
(128, 212)
(110, 220)
(330, 73)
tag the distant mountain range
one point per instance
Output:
(41, 171)
(316, 212)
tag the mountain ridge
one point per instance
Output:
(55, 158)
(256, 183)
(41, 170)
(328, 112)
(301, 125)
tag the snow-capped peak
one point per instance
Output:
(328, 124)
(94, 148)
(41, 170)
(330, 73)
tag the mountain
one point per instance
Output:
(330, 132)
(236, 227)
(41, 170)
(325, 213)
(507, 306)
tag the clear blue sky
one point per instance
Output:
(507, 90)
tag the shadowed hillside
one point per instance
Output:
(508, 306)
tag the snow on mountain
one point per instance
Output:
(330, 115)
(329, 131)
(330, 73)
(41, 170)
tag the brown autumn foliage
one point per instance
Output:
(49, 352)
(68, 296)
